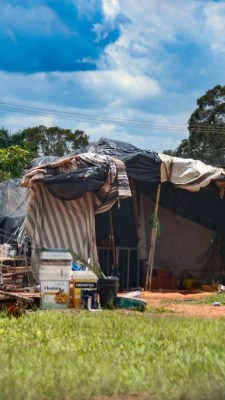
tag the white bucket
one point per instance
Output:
(55, 256)
(61, 274)
(60, 270)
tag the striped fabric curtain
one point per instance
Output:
(53, 223)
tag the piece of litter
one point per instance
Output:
(221, 288)
(217, 303)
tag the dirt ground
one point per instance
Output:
(183, 307)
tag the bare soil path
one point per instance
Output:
(181, 303)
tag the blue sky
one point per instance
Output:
(127, 70)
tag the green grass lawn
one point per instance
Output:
(80, 355)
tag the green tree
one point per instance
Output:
(53, 141)
(183, 150)
(5, 138)
(206, 141)
(207, 127)
(18, 139)
(13, 161)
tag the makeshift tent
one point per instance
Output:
(64, 197)
(67, 193)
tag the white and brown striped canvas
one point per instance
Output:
(52, 223)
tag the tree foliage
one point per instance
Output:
(13, 161)
(18, 149)
(53, 141)
(5, 138)
(206, 126)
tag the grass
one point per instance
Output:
(80, 355)
(207, 300)
(158, 310)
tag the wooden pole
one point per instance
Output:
(150, 261)
(136, 210)
(112, 239)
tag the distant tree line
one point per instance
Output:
(206, 141)
(18, 149)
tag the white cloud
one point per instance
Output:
(116, 89)
(215, 26)
(15, 122)
(86, 8)
(150, 140)
(164, 21)
(142, 45)
(120, 82)
(100, 32)
(111, 8)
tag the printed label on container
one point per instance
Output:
(85, 285)
(55, 294)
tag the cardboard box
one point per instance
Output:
(166, 282)
(173, 283)
(163, 272)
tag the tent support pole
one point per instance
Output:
(112, 240)
(150, 261)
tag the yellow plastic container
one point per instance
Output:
(84, 287)
(190, 284)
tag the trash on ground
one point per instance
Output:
(217, 303)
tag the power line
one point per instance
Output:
(125, 120)
(87, 117)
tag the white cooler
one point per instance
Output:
(54, 276)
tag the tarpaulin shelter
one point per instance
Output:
(67, 194)
(64, 197)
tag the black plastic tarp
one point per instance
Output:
(142, 165)
(13, 200)
(205, 207)
(74, 184)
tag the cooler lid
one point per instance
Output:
(84, 275)
(53, 276)
(56, 254)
